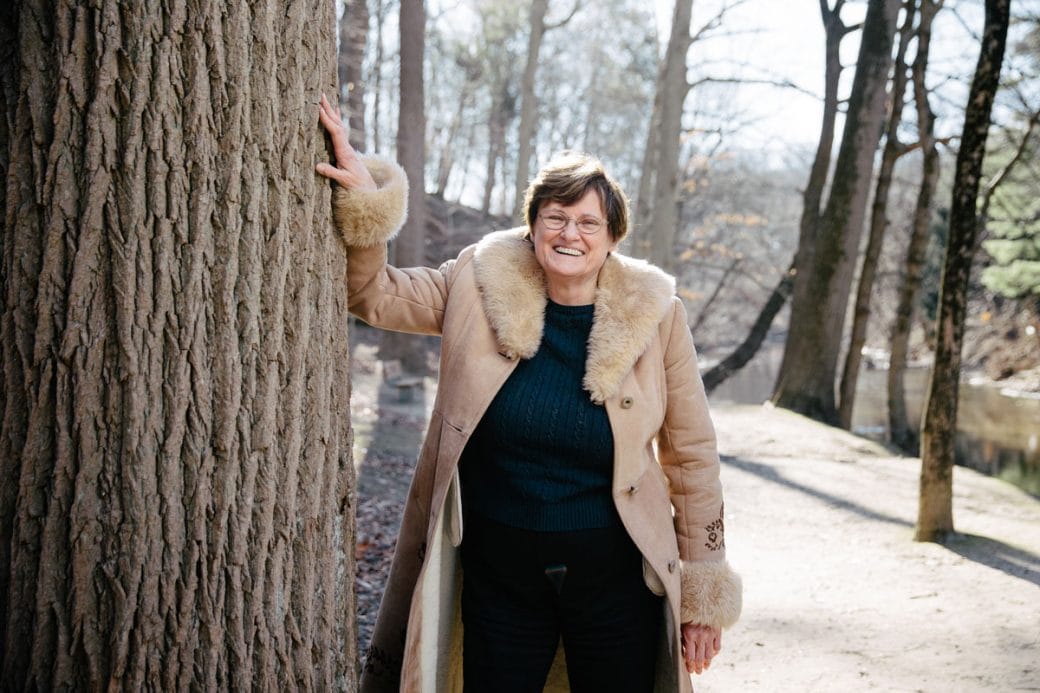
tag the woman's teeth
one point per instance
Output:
(569, 251)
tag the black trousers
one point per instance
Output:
(522, 591)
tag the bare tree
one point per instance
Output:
(819, 303)
(834, 31)
(382, 8)
(935, 508)
(528, 97)
(899, 429)
(891, 152)
(176, 506)
(353, 41)
(409, 248)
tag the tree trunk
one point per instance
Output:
(377, 87)
(175, 448)
(410, 244)
(503, 103)
(834, 31)
(900, 432)
(820, 301)
(935, 508)
(878, 223)
(648, 171)
(528, 102)
(663, 214)
(353, 39)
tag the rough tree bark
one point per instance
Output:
(899, 430)
(353, 40)
(409, 248)
(834, 31)
(807, 373)
(174, 444)
(935, 506)
(878, 222)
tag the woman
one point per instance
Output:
(570, 444)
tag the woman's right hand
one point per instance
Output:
(348, 170)
(700, 645)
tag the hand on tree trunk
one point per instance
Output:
(348, 170)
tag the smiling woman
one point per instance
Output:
(560, 361)
(569, 224)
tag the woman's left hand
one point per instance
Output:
(700, 644)
(348, 171)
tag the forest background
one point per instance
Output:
(751, 122)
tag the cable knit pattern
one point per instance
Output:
(711, 594)
(366, 218)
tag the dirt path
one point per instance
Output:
(837, 595)
(819, 523)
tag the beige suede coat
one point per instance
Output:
(488, 305)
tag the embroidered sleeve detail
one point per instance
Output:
(716, 533)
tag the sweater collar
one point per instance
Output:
(632, 296)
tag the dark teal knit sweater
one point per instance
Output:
(542, 457)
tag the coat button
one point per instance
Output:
(626, 402)
(632, 490)
(671, 566)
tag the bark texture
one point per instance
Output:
(807, 373)
(174, 444)
(935, 507)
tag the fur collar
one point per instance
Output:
(631, 299)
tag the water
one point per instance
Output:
(998, 431)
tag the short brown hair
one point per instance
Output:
(565, 179)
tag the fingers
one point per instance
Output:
(348, 170)
(700, 645)
(333, 124)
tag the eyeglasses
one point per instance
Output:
(557, 221)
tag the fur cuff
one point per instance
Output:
(711, 594)
(372, 218)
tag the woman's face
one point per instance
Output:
(571, 259)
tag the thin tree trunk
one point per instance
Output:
(935, 508)
(641, 241)
(410, 244)
(353, 39)
(377, 87)
(663, 215)
(878, 223)
(807, 376)
(705, 309)
(528, 102)
(812, 207)
(900, 432)
(718, 373)
(175, 359)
